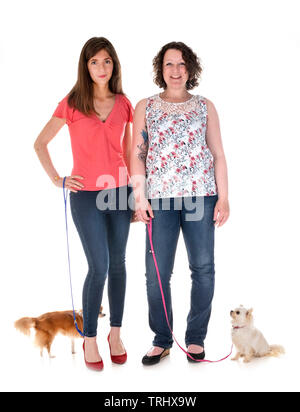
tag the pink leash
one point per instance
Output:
(149, 227)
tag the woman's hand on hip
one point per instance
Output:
(71, 183)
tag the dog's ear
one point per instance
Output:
(249, 313)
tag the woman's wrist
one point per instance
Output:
(139, 195)
(56, 179)
(223, 197)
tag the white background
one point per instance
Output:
(250, 55)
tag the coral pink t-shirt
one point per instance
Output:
(97, 146)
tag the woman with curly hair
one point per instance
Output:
(178, 166)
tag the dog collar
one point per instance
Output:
(238, 327)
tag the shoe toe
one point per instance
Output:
(153, 360)
(197, 357)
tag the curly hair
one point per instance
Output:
(192, 62)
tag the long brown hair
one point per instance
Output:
(81, 97)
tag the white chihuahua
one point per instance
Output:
(249, 341)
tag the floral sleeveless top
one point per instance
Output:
(179, 162)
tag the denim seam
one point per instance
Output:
(84, 239)
(119, 324)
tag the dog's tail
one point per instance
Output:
(23, 325)
(276, 350)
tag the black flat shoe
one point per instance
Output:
(153, 360)
(196, 356)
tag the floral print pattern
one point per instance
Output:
(179, 162)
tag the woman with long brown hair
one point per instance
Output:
(98, 115)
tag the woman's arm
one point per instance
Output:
(214, 143)
(127, 141)
(138, 162)
(40, 146)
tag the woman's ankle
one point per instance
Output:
(88, 339)
(91, 350)
(155, 351)
(195, 348)
(115, 333)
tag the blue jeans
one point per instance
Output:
(199, 240)
(104, 236)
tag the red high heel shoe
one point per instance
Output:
(119, 359)
(96, 366)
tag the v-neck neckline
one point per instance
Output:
(110, 113)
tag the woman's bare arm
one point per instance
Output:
(40, 146)
(138, 162)
(127, 142)
(214, 142)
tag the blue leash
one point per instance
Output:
(65, 193)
